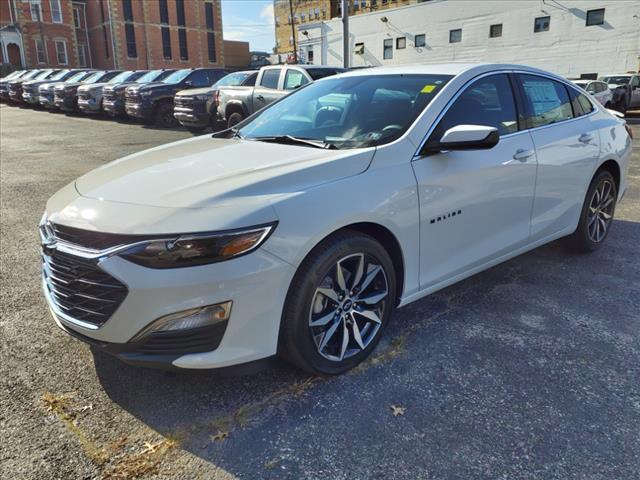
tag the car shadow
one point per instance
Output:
(479, 366)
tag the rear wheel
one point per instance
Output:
(234, 119)
(339, 303)
(597, 214)
(163, 117)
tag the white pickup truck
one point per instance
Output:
(274, 82)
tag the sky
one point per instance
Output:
(249, 21)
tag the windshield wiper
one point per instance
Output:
(291, 140)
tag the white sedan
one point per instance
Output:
(298, 232)
(598, 90)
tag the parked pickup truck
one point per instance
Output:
(113, 94)
(90, 96)
(31, 89)
(46, 90)
(4, 82)
(273, 82)
(195, 108)
(66, 94)
(154, 101)
(626, 90)
(15, 86)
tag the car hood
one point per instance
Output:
(151, 86)
(114, 87)
(192, 92)
(204, 172)
(92, 86)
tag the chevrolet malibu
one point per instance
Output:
(299, 231)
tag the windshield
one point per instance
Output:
(618, 80)
(232, 79)
(42, 74)
(149, 76)
(122, 77)
(94, 77)
(59, 75)
(348, 112)
(177, 76)
(580, 84)
(77, 77)
(31, 74)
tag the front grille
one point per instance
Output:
(183, 102)
(84, 96)
(81, 289)
(91, 239)
(132, 97)
(109, 96)
(195, 340)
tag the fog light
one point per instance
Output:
(188, 319)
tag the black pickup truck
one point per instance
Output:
(66, 94)
(196, 108)
(113, 95)
(154, 101)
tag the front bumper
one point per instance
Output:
(138, 110)
(89, 105)
(113, 107)
(31, 98)
(15, 95)
(47, 101)
(189, 118)
(66, 103)
(256, 283)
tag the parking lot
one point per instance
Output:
(530, 370)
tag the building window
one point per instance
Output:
(208, 15)
(310, 55)
(82, 55)
(61, 52)
(164, 11)
(356, 5)
(76, 17)
(106, 41)
(36, 10)
(302, 18)
(182, 43)
(495, 30)
(387, 49)
(166, 43)
(421, 40)
(211, 44)
(595, 17)
(40, 51)
(455, 36)
(56, 11)
(541, 24)
(277, 21)
(401, 42)
(180, 12)
(127, 10)
(374, 4)
(130, 34)
(290, 40)
(317, 12)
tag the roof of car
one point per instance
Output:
(442, 69)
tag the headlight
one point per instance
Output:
(145, 94)
(202, 98)
(200, 249)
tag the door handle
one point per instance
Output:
(522, 154)
(585, 138)
(260, 97)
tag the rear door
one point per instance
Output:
(267, 90)
(567, 144)
(475, 205)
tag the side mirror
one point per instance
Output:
(464, 137)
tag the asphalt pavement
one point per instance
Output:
(530, 370)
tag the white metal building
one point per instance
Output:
(568, 37)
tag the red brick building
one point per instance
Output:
(120, 34)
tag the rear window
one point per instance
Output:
(547, 101)
(318, 73)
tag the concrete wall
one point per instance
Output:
(569, 47)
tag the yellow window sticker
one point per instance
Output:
(428, 89)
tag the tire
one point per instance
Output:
(163, 116)
(304, 344)
(234, 119)
(607, 105)
(596, 216)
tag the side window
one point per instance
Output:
(270, 78)
(488, 101)
(547, 101)
(592, 87)
(250, 81)
(215, 75)
(199, 78)
(635, 82)
(294, 79)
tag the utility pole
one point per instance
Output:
(293, 32)
(346, 53)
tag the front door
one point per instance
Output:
(475, 206)
(267, 90)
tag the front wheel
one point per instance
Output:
(234, 119)
(596, 216)
(338, 305)
(164, 116)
